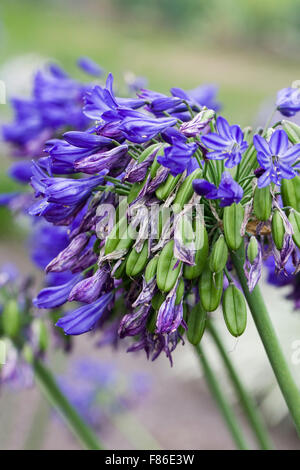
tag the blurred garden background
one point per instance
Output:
(250, 49)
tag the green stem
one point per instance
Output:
(270, 341)
(57, 399)
(245, 399)
(225, 408)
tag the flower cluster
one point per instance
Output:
(149, 198)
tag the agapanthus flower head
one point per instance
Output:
(227, 144)
(276, 158)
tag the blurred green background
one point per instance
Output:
(249, 48)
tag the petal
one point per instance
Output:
(223, 128)
(261, 145)
(292, 154)
(237, 134)
(264, 160)
(279, 142)
(264, 180)
(215, 142)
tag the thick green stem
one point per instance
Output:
(225, 408)
(270, 341)
(245, 399)
(48, 385)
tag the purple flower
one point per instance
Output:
(276, 158)
(55, 296)
(84, 318)
(177, 156)
(229, 191)
(227, 144)
(170, 316)
(89, 66)
(139, 128)
(21, 171)
(111, 159)
(65, 259)
(89, 289)
(288, 101)
(253, 269)
(203, 95)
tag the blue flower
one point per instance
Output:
(228, 144)
(89, 66)
(84, 318)
(229, 191)
(57, 295)
(288, 101)
(177, 156)
(276, 158)
(139, 128)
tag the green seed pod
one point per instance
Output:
(233, 218)
(135, 190)
(121, 270)
(41, 332)
(166, 275)
(278, 229)
(294, 219)
(151, 268)
(210, 289)
(137, 261)
(234, 310)
(185, 191)
(121, 237)
(179, 292)
(167, 187)
(290, 193)
(157, 300)
(155, 165)
(147, 152)
(196, 323)
(11, 320)
(193, 272)
(252, 249)
(292, 130)
(219, 255)
(262, 203)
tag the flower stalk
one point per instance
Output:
(246, 401)
(269, 339)
(225, 408)
(57, 399)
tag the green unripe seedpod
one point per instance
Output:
(233, 219)
(219, 255)
(166, 275)
(196, 323)
(252, 249)
(278, 229)
(185, 191)
(11, 320)
(262, 203)
(290, 193)
(157, 300)
(151, 268)
(137, 261)
(234, 310)
(211, 289)
(179, 292)
(201, 240)
(167, 187)
(294, 219)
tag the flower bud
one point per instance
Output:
(40, 332)
(292, 130)
(210, 289)
(294, 219)
(233, 219)
(252, 249)
(219, 255)
(262, 203)
(290, 193)
(196, 323)
(278, 229)
(234, 310)
(11, 320)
